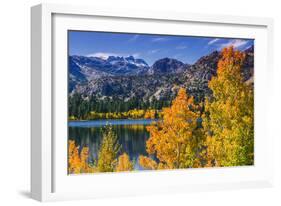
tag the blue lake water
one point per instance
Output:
(103, 122)
(132, 135)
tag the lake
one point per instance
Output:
(132, 135)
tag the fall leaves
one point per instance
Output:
(229, 117)
(171, 138)
(130, 114)
(108, 152)
(78, 162)
(226, 135)
(217, 132)
(108, 160)
(124, 163)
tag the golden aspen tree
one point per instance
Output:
(78, 163)
(74, 163)
(109, 149)
(171, 139)
(124, 163)
(229, 114)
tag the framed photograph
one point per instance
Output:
(137, 102)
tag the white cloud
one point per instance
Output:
(103, 55)
(213, 41)
(159, 39)
(236, 43)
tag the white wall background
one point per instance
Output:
(15, 101)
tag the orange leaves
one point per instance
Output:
(124, 163)
(231, 59)
(150, 114)
(73, 158)
(107, 161)
(77, 163)
(170, 137)
(147, 163)
(178, 142)
(232, 55)
(229, 75)
(230, 114)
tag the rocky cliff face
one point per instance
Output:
(167, 65)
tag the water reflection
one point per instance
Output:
(131, 137)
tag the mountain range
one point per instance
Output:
(125, 78)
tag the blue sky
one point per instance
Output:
(148, 47)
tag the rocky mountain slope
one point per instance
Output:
(167, 65)
(199, 74)
(84, 69)
(124, 78)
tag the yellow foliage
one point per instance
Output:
(229, 119)
(107, 157)
(109, 149)
(73, 158)
(171, 139)
(124, 163)
(71, 118)
(150, 114)
(147, 163)
(131, 114)
(78, 163)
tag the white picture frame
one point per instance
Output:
(49, 181)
